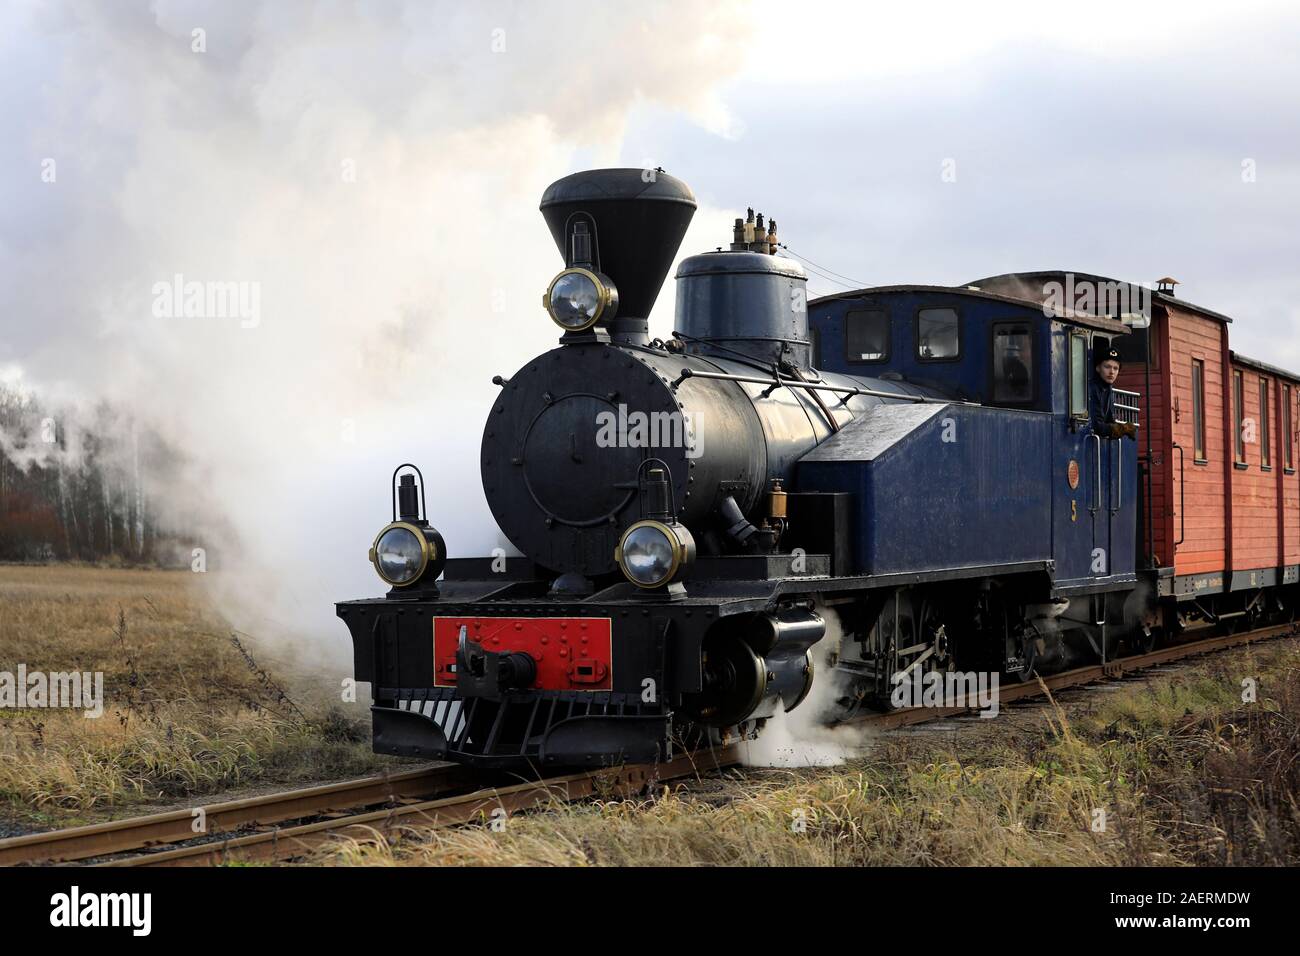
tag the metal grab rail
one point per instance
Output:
(1096, 500)
(1182, 495)
(1127, 408)
(1118, 500)
(847, 390)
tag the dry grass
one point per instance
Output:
(188, 711)
(1185, 772)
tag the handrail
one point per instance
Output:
(1119, 478)
(1134, 408)
(813, 387)
(1182, 495)
(1096, 500)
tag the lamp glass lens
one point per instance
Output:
(574, 300)
(398, 555)
(647, 555)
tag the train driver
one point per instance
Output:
(1101, 398)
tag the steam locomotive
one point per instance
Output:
(883, 484)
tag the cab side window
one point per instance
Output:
(1078, 376)
(938, 335)
(866, 335)
(1013, 362)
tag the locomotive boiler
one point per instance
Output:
(581, 436)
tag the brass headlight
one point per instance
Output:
(652, 553)
(578, 298)
(402, 552)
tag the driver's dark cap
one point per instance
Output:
(1106, 355)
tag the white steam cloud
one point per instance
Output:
(368, 175)
(802, 738)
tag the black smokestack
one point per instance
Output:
(637, 218)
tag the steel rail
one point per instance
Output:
(118, 836)
(293, 842)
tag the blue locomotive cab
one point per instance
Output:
(1009, 474)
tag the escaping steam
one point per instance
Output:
(298, 239)
(801, 738)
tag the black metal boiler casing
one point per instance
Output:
(563, 495)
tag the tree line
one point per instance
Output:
(74, 485)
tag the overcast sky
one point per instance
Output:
(1126, 139)
(374, 171)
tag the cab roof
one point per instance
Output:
(1032, 279)
(1101, 323)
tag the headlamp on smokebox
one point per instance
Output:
(581, 295)
(578, 298)
(657, 551)
(652, 553)
(408, 551)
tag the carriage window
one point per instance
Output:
(1198, 408)
(938, 335)
(1265, 438)
(1135, 349)
(1238, 397)
(1012, 363)
(1287, 437)
(1078, 376)
(867, 336)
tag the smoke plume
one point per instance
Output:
(298, 239)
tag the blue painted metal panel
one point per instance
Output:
(967, 487)
(1095, 523)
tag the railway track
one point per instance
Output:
(432, 797)
(293, 842)
(1084, 675)
(450, 795)
(136, 833)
